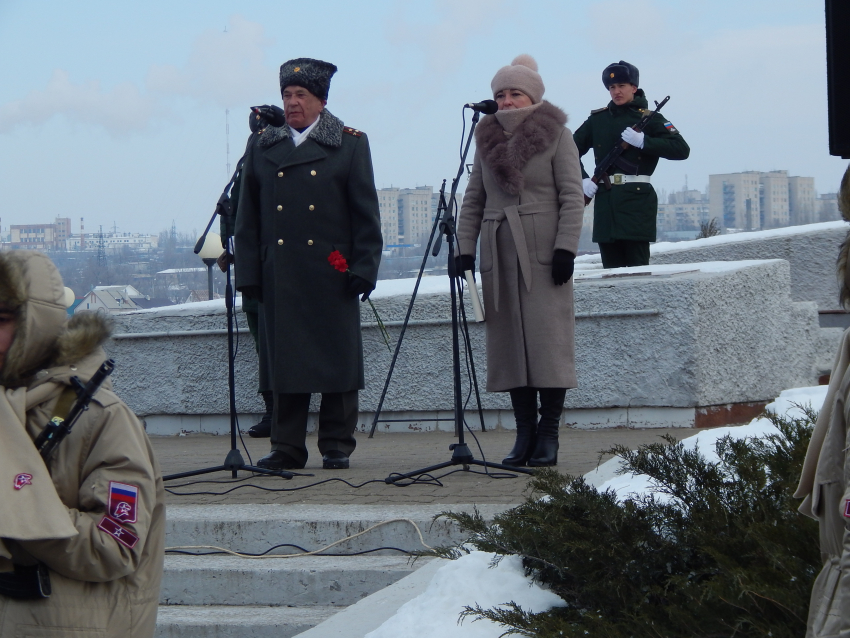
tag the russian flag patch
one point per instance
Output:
(123, 499)
(847, 507)
(669, 126)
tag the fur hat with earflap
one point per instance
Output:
(844, 254)
(520, 74)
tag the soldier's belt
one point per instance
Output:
(619, 178)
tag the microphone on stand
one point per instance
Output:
(487, 107)
(270, 115)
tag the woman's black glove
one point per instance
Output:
(359, 286)
(464, 263)
(563, 265)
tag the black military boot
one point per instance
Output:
(263, 429)
(524, 402)
(551, 406)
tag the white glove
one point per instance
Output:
(589, 187)
(633, 137)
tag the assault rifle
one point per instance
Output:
(614, 155)
(60, 427)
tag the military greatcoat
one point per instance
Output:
(628, 211)
(296, 206)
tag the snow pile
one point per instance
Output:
(469, 580)
(605, 477)
(466, 581)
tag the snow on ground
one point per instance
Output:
(469, 580)
(466, 581)
(756, 235)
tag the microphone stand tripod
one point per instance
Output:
(233, 462)
(461, 454)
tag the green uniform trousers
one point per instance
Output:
(337, 423)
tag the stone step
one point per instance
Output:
(178, 621)
(301, 582)
(255, 528)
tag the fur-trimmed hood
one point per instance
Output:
(31, 287)
(507, 156)
(327, 132)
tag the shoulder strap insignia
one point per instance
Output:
(352, 131)
(595, 111)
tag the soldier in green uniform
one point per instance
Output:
(624, 216)
(308, 192)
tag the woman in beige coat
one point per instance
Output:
(524, 200)
(825, 480)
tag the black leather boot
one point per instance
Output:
(263, 429)
(551, 406)
(524, 402)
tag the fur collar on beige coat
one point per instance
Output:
(506, 155)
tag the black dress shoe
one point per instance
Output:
(262, 430)
(277, 460)
(335, 460)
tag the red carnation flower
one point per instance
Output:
(338, 261)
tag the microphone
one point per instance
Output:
(273, 115)
(487, 107)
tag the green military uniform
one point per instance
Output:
(628, 211)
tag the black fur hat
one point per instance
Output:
(313, 75)
(620, 73)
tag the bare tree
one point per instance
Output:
(709, 229)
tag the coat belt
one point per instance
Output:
(495, 217)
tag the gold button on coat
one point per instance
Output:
(280, 174)
(279, 207)
(313, 173)
(280, 242)
(309, 242)
(312, 207)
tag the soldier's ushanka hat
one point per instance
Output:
(620, 73)
(313, 75)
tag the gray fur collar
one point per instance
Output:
(328, 132)
(507, 156)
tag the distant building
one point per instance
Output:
(113, 243)
(117, 300)
(755, 200)
(414, 214)
(40, 236)
(827, 207)
(388, 205)
(682, 215)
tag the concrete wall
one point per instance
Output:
(654, 345)
(810, 249)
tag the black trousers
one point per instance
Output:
(624, 252)
(337, 423)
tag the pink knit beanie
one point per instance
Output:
(521, 74)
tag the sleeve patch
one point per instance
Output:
(669, 126)
(847, 507)
(119, 533)
(352, 131)
(123, 499)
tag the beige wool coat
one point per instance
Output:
(105, 563)
(825, 488)
(524, 200)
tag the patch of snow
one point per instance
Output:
(466, 581)
(605, 477)
(756, 235)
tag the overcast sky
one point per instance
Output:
(115, 111)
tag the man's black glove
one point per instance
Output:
(563, 265)
(252, 292)
(464, 263)
(359, 286)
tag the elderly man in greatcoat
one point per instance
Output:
(307, 192)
